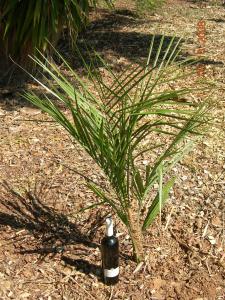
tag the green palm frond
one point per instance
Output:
(27, 25)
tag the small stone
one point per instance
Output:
(201, 213)
(10, 294)
(212, 240)
(217, 203)
(127, 237)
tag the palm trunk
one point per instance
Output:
(136, 234)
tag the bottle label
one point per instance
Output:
(111, 272)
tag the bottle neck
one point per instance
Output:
(109, 227)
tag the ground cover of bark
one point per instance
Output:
(47, 250)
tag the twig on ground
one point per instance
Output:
(169, 217)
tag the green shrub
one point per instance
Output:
(141, 113)
(26, 24)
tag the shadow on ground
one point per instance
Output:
(115, 37)
(112, 35)
(46, 232)
(217, 20)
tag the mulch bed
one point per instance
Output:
(47, 250)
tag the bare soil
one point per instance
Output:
(47, 249)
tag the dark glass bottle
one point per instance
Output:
(110, 255)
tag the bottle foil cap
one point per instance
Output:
(109, 226)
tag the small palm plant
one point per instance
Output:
(119, 124)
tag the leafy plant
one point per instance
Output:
(139, 118)
(25, 25)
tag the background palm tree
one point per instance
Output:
(27, 25)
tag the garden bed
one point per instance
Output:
(47, 250)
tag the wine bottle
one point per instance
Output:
(110, 255)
